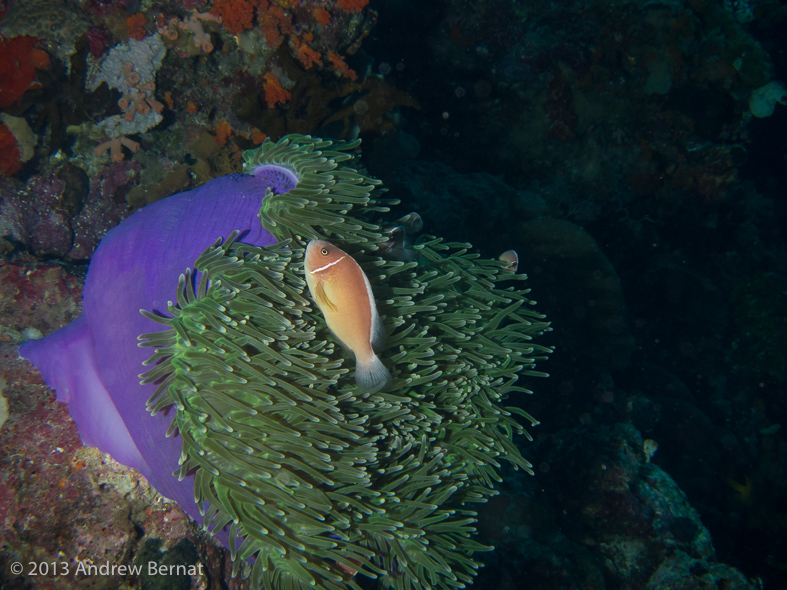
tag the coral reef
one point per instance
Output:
(131, 69)
(192, 26)
(61, 502)
(559, 99)
(364, 108)
(136, 26)
(10, 154)
(236, 15)
(62, 213)
(23, 136)
(58, 23)
(98, 40)
(632, 524)
(18, 68)
(631, 155)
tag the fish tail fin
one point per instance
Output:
(372, 375)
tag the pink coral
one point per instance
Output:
(193, 24)
(138, 99)
(115, 147)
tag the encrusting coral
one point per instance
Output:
(131, 68)
(315, 480)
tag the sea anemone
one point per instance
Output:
(314, 480)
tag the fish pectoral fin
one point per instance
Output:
(322, 297)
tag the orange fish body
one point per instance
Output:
(342, 292)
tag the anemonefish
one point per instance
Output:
(342, 292)
(399, 245)
(511, 258)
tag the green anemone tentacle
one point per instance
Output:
(315, 479)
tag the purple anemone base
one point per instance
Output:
(94, 363)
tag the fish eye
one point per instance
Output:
(324, 251)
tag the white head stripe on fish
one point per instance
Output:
(328, 265)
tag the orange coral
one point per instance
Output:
(236, 15)
(136, 26)
(223, 133)
(341, 66)
(352, 5)
(275, 24)
(40, 59)
(191, 108)
(274, 92)
(321, 15)
(306, 55)
(257, 136)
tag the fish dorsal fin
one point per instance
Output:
(322, 297)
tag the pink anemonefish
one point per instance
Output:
(343, 294)
(511, 258)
